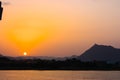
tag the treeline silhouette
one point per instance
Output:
(68, 64)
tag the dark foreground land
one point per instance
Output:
(68, 64)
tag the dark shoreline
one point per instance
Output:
(51, 70)
(68, 64)
(63, 69)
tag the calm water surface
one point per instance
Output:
(59, 75)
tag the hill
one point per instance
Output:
(101, 53)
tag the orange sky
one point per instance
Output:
(58, 27)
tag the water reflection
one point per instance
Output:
(59, 75)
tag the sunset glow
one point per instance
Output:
(58, 27)
(25, 53)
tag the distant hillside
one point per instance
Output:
(101, 53)
(97, 56)
(39, 57)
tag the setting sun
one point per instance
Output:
(25, 53)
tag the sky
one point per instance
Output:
(58, 27)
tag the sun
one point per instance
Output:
(25, 53)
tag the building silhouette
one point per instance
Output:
(1, 10)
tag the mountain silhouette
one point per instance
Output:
(101, 53)
(98, 57)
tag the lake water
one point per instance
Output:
(59, 75)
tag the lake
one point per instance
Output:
(59, 75)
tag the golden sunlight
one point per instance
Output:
(25, 53)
